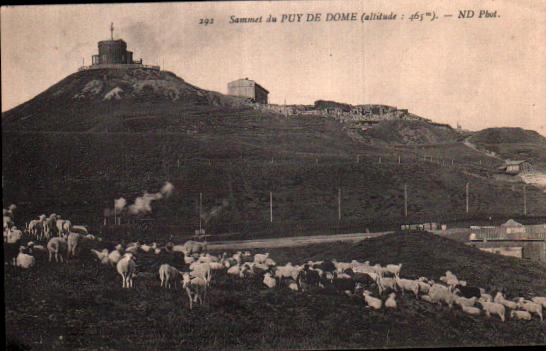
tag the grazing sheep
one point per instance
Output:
(269, 281)
(308, 277)
(73, 243)
(344, 285)
(115, 255)
(201, 270)
(23, 260)
(234, 270)
(57, 246)
(342, 266)
(391, 301)
(408, 284)
(13, 235)
(126, 267)
(168, 274)
(493, 308)
(539, 300)
(260, 258)
(394, 269)
(373, 302)
(439, 293)
(195, 288)
(287, 271)
(473, 311)
(520, 315)
(463, 301)
(499, 298)
(194, 247)
(386, 283)
(79, 229)
(467, 291)
(148, 248)
(293, 286)
(530, 307)
(102, 256)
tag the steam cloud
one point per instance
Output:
(143, 204)
(119, 204)
(214, 211)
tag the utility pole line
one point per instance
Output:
(405, 200)
(271, 206)
(339, 204)
(467, 193)
(200, 211)
(524, 200)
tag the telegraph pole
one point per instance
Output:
(200, 211)
(524, 200)
(405, 200)
(467, 191)
(339, 204)
(271, 206)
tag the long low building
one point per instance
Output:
(248, 88)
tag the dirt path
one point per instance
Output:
(467, 143)
(290, 242)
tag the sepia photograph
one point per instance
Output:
(274, 175)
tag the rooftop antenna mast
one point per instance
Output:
(112, 30)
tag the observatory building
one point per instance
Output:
(114, 54)
(248, 88)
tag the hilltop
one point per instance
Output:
(507, 136)
(113, 100)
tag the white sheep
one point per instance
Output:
(499, 298)
(373, 302)
(384, 283)
(485, 296)
(269, 281)
(530, 306)
(394, 269)
(463, 301)
(102, 256)
(126, 267)
(260, 258)
(520, 315)
(408, 284)
(234, 270)
(115, 255)
(473, 311)
(391, 301)
(23, 260)
(196, 288)
(439, 293)
(168, 274)
(80, 229)
(493, 308)
(56, 247)
(73, 242)
(201, 270)
(293, 286)
(539, 300)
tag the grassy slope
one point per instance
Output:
(85, 304)
(305, 194)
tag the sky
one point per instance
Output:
(481, 73)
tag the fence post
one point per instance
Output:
(271, 206)
(339, 204)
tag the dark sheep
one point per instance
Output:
(469, 291)
(326, 266)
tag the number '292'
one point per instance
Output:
(206, 21)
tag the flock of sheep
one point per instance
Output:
(377, 285)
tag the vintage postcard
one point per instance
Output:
(274, 175)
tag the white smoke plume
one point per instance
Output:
(143, 204)
(119, 204)
(214, 211)
(167, 189)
